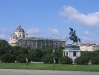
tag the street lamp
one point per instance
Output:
(9, 51)
(54, 57)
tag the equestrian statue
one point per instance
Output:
(73, 36)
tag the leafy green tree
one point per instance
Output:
(2, 51)
(57, 54)
(95, 60)
(22, 58)
(15, 51)
(46, 49)
(7, 58)
(4, 47)
(95, 53)
(87, 54)
(48, 58)
(3, 43)
(30, 54)
(35, 54)
(23, 50)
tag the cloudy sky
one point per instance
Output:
(51, 18)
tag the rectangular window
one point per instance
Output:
(66, 53)
(74, 53)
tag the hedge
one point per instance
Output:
(65, 60)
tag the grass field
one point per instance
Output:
(94, 68)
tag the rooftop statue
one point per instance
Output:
(73, 36)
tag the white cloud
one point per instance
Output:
(2, 36)
(90, 19)
(3, 29)
(34, 31)
(54, 31)
(86, 32)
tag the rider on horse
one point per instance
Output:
(73, 36)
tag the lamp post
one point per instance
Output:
(9, 51)
(54, 57)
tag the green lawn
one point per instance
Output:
(49, 67)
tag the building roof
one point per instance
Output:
(88, 44)
(72, 47)
(19, 29)
(41, 38)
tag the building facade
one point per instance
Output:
(19, 38)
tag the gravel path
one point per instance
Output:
(43, 72)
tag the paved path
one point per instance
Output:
(43, 72)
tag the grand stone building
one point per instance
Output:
(19, 38)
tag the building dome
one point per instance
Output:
(19, 29)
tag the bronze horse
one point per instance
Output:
(73, 36)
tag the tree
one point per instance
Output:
(35, 54)
(15, 51)
(4, 47)
(2, 51)
(87, 54)
(23, 50)
(48, 58)
(95, 53)
(7, 58)
(49, 50)
(22, 58)
(95, 60)
(46, 49)
(57, 54)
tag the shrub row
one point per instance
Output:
(66, 60)
(84, 60)
(49, 59)
(8, 58)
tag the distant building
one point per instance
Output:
(19, 38)
(89, 47)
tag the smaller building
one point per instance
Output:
(95, 47)
(89, 47)
(72, 51)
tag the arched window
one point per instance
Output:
(19, 36)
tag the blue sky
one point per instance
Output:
(51, 18)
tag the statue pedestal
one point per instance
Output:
(72, 51)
